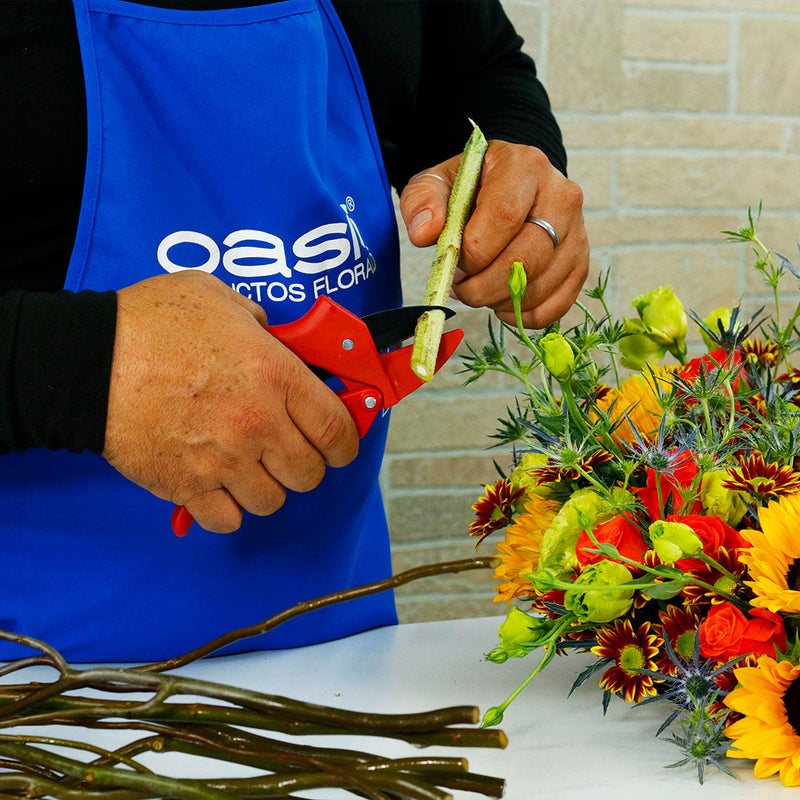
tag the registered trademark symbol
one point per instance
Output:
(351, 204)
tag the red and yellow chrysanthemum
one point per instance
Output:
(495, 509)
(519, 550)
(768, 730)
(773, 560)
(680, 626)
(761, 480)
(632, 649)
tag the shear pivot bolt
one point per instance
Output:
(347, 344)
(370, 402)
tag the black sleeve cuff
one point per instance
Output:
(57, 350)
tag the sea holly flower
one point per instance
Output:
(637, 348)
(673, 541)
(665, 320)
(558, 356)
(600, 605)
(634, 652)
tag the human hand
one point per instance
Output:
(517, 182)
(208, 410)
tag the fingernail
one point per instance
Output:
(420, 219)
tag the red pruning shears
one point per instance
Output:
(335, 343)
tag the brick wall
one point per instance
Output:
(677, 115)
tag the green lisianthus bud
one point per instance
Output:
(517, 281)
(673, 541)
(639, 348)
(520, 632)
(722, 315)
(493, 716)
(666, 321)
(600, 605)
(557, 356)
(727, 504)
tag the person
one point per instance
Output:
(181, 173)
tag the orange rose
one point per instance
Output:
(726, 632)
(620, 532)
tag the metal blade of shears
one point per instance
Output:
(390, 328)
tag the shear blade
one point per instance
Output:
(389, 328)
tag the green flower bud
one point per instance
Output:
(493, 716)
(497, 656)
(600, 605)
(722, 315)
(673, 541)
(727, 504)
(639, 348)
(663, 314)
(517, 281)
(557, 356)
(520, 632)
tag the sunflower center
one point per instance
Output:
(793, 575)
(631, 658)
(791, 702)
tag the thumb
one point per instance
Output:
(423, 205)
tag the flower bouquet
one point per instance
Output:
(652, 517)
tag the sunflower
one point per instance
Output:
(631, 651)
(635, 403)
(768, 698)
(495, 509)
(519, 550)
(761, 480)
(773, 560)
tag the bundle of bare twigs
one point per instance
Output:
(224, 723)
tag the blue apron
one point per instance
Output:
(238, 142)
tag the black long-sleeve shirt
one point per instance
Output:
(428, 67)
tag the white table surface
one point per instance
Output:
(558, 746)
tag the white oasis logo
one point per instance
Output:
(334, 252)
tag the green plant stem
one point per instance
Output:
(429, 329)
(714, 564)
(550, 649)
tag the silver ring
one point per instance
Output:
(430, 175)
(543, 223)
